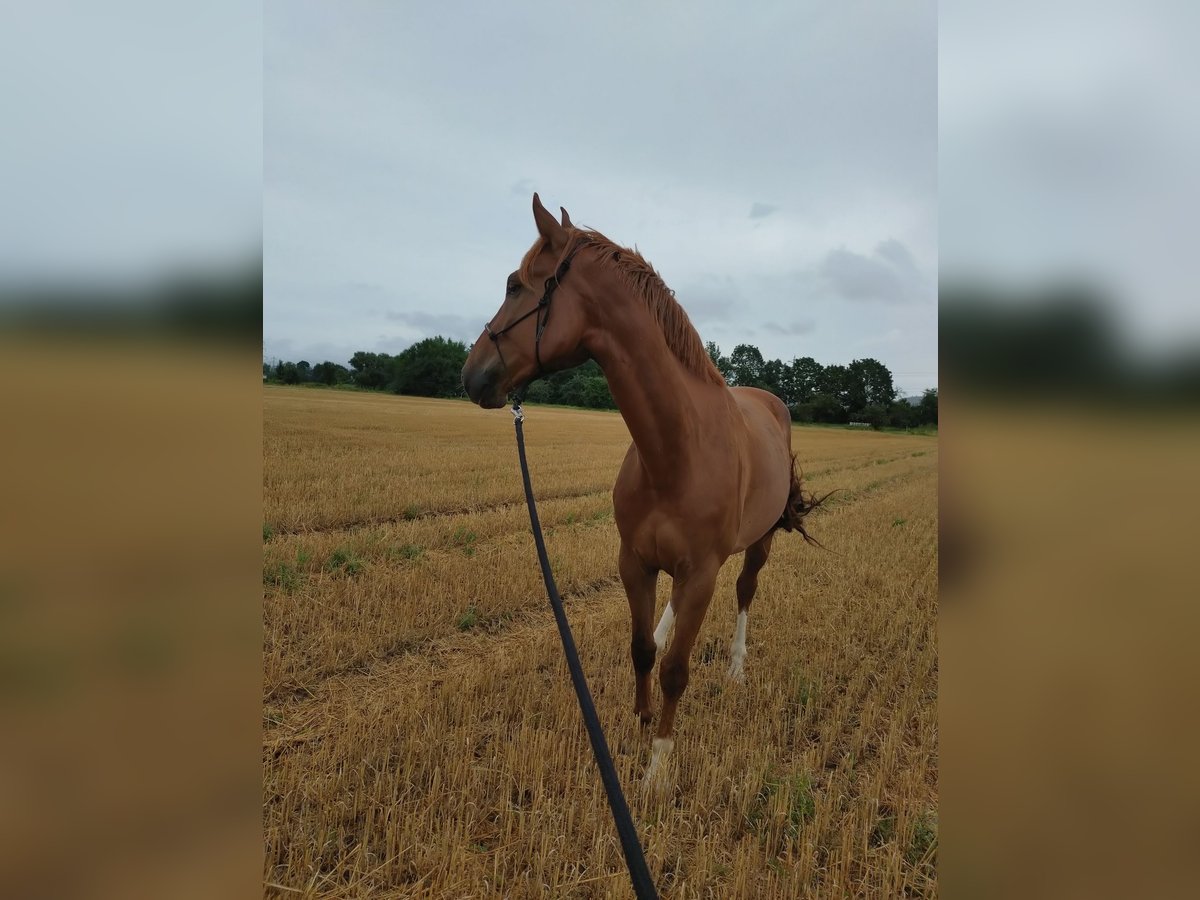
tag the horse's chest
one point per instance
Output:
(662, 538)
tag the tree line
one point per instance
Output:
(429, 368)
(861, 391)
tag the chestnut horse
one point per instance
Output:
(710, 472)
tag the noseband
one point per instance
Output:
(542, 311)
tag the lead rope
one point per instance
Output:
(639, 875)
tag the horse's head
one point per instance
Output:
(539, 327)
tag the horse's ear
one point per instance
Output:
(547, 225)
(566, 219)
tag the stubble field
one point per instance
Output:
(421, 737)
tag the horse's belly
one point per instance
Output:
(761, 515)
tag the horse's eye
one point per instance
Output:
(513, 286)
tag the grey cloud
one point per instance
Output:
(803, 326)
(897, 254)
(711, 299)
(762, 210)
(888, 275)
(445, 324)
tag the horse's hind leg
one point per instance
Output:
(747, 584)
(639, 588)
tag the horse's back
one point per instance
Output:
(766, 416)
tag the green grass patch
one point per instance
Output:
(343, 560)
(464, 538)
(884, 831)
(924, 840)
(757, 813)
(282, 576)
(804, 692)
(800, 806)
(468, 619)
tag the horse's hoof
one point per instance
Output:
(656, 785)
(656, 780)
(736, 672)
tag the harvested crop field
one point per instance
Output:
(421, 737)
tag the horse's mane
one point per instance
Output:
(639, 276)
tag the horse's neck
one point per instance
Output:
(650, 387)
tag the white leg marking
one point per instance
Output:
(664, 627)
(737, 651)
(656, 773)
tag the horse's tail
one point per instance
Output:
(799, 504)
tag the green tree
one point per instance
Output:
(371, 370)
(854, 390)
(570, 392)
(330, 373)
(286, 373)
(928, 407)
(802, 412)
(902, 414)
(746, 365)
(875, 415)
(430, 368)
(801, 379)
(835, 384)
(770, 377)
(828, 408)
(596, 393)
(304, 370)
(584, 385)
(539, 392)
(876, 381)
(721, 362)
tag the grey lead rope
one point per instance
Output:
(635, 861)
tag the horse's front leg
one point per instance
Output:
(639, 584)
(690, 598)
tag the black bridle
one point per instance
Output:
(542, 311)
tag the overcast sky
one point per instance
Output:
(1069, 141)
(777, 164)
(132, 140)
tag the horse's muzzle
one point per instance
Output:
(483, 387)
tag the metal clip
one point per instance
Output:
(518, 413)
